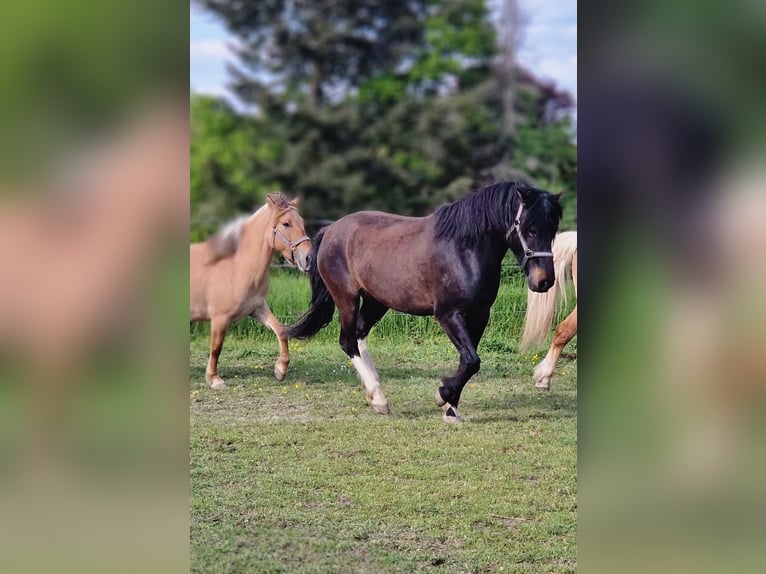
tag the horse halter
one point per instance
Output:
(293, 245)
(528, 253)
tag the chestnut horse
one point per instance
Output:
(541, 307)
(229, 275)
(446, 265)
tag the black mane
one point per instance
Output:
(491, 209)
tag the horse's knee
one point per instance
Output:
(473, 365)
(566, 330)
(564, 334)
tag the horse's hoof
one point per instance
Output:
(280, 373)
(381, 408)
(440, 402)
(451, 415)
(217, 384)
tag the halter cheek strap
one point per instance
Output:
(528, 253)
(293, 245)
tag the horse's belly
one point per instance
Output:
(198, 312)
(412, 301)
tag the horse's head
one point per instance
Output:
(535, 216)
(288, 233)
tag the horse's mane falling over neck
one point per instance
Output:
(471, 219)
(490, 211)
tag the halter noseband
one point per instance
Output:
(528, 253)
(293, 245)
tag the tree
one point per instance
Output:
(305, 52)
(221, 156)
(396, 106)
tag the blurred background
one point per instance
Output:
(672, 222)
(94, 178)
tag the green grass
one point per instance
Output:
(290, 294)
(302, 476)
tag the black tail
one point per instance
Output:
(322, 306)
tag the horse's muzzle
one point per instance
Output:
(540, 287)
(539, 280)
(303, 258)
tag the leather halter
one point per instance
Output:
(528, 253)
(293, 245)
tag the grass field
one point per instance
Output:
(302, 476)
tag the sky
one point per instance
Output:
(548, 46)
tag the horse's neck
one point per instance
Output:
(494, 252)
(493, 245)
(253, 256)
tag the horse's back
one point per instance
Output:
(385, 255)
(363, 222)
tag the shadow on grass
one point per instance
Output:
(526, 406)
(516, 408)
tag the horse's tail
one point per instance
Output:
(322, 306)
(541, 307)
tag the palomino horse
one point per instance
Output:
(229, 275)
(446, 265)
(541, 307)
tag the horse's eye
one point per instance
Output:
(286, 224)
(532, 232)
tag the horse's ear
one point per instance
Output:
(525, 194)
(294, 202)
(271, 199)
(558, 196)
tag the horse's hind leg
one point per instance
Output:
(348, 309)
(218, 327)
(265, 316)
(564, 333)
(371, 312)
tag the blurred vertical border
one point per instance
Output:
(672, 225)
(94, 176)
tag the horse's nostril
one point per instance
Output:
(544, 284)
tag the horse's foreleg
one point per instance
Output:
(564, 333)
(265, 316)
(218, 327)
(463, 337)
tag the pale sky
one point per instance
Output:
(548, 46)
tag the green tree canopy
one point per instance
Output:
(369, 105)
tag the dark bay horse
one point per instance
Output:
(446, 265)
(229, 275)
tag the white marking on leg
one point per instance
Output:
(450, 414)
(372, 389)
(365, 354)
(543, 372)
(216, 383)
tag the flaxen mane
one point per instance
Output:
(225, 241)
